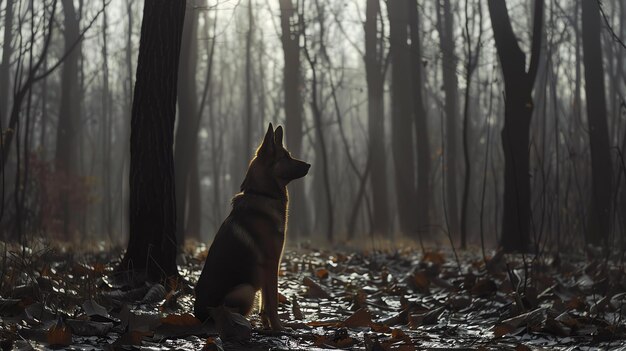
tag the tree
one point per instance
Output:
(421, 124)
(445, 25)
(290, 38)
(599, 224)
(518, 108)
(375, 75)
(152, 246)
(185, 151)
(401, 116)
(471, 63)
(7, 50)
(67, 143)
(105, 132)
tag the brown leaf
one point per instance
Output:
(282, 298)
(315, 291)
(484, 288)
(360, 318)
(59, 334)
(502, 329)
(421, 282)
(321, 273)
(295, 309)
(183, 320)
(434, 257)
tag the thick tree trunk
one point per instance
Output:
(518, 85)
(445, 24)
(7, 51)
(290, 39)
(402, 116)
(421, 125)
(188, 125)
(152, 246)
(374, 68)
(599, 225)
(67, 144)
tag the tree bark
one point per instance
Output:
(421, 125)
(7, 51)
(67, 144)
(518, 86)
(290, 38)
(599, 225)
(185, 154)
(152, 245)
(445, 25)
(375, 73)
(107, 220)
(401, 116)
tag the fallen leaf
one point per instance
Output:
(359, 319)
(484, 288)
(59, 335)
(315, 291)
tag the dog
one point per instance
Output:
(246, 252)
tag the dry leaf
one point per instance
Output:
(359, 319)
(59, 334)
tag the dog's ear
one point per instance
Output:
(278, 136)
(267, 147)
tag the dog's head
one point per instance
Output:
(273, 167)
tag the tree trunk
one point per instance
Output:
(401, 116)
(107, 220)
(247, 122)
(187, 129)
(421, 125)
(7, 50)
(374, 68)
(599, 225)
(151, 252)
(290, 39)
(518, 108)
(445, 24)
(67, 147)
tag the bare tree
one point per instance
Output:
(401, 116)
(375, 74)
(518, 86)
(290, 38)
(67, 143)
(599, 225)
(185, 150)
(471, 63)
(421, 123)
(445, 26)
(7, 51)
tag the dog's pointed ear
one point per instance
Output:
(278, 136)
(267, 147)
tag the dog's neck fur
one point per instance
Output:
(274, 208)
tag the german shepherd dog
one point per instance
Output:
(246, 252)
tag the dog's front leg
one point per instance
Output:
(270, 297)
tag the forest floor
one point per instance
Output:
(368, 300)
